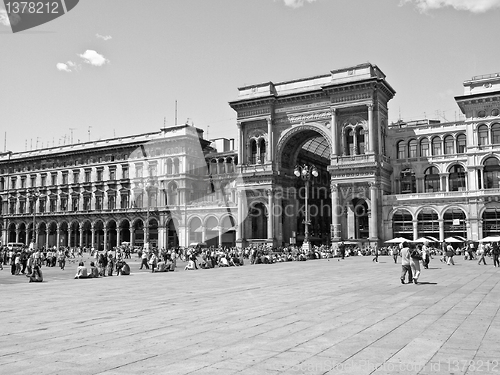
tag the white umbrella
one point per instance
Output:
(453, 239)
(425, 239)
(397, 240)
(490, 239)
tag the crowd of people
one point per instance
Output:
(29, 262)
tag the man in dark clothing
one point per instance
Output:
(342, 250)
(496, 252)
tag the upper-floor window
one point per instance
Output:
(124, 172)
(424, 147)
(491, 173)
(87, 175)
(461, 143)
(112, 174)
(449, 145)
(350, 142)
(33, 181)
(13, 182)
(138, 171)
(436, 146)
(23, 182)
(431, 180)
(401, 150)
(53, 177)
(482, 135)
(360, 139)
(412, 149)
(99, 174)
(43, 181)
(495, 134)
(76, 177)
(456, 178)
(65, 178)
(408, 182)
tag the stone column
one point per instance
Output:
(105, 238)
(415, 229)
(17, 233)
(239, 224)
(58, 236)
(81, 236)
(441, 230)
(371, 130)
(240, 143)
(374, 211)
(118, 235)
(220, 235)
(93, 237)
(270, 140)
(47, 237)
(333, 129)
(132, 236)
(270, 221)
(336, 211)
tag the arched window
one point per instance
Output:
(436, 146)
(482, 135)
(495, 134)
(262, 156)
(491, 221)
(424, 147)
(222, 166)
(408, 182)
(449, 145)
(412, 148)
(253, 151)
(491, 173)
(213, 167)
(461, 143)
(457, 178)
(350, 142)
(431, 180)
(176, 166)
(402, 224)
(361, 140)
(454, 223)
(401, 149)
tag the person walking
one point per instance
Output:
(405, 263)
(481, 253)
(426, 255)
(449, 254)
(495, 251)
(375, 259)
(415, 258)
(144, 260)
(395, 253)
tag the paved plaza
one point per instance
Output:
(315, 317)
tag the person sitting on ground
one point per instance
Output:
(223, 262)
(161, 266)
(81, 271)
(36, 275)
(125, 270)
(93, 271)
(190, 266)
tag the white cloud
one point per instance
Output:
(104, 37)
(93, 58)
(63, 67)
(69, 67)
(474, 6)
(4, 18)
(297, 3)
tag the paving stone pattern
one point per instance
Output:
(315, 317)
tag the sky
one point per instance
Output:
(111, 68)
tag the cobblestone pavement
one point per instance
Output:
(315, 317)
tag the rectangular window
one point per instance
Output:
(98, 203)
(64, 204)
(424, 149)
(99, 174)
(436, 149)
(65, 178)
(44, 180)
(54, 179)
(138, 171)
(87, 175)
(13, 182)
(23, 182)
(76, 177)
(86, 203)
(112, 174)
(33, 181)
(125, 172)
(124, 201)
(111, 203)
(12, 207)
(74, 204)
(22, 206)
(41, 207)
(53, 205)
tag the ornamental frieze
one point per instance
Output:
(254, 112)
(351, 98)
(294, 119)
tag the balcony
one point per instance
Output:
(439, 195)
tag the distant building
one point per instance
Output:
(374, 180)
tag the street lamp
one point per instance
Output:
(34, 194)
(306, 173)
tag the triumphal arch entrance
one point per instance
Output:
(312, 158)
